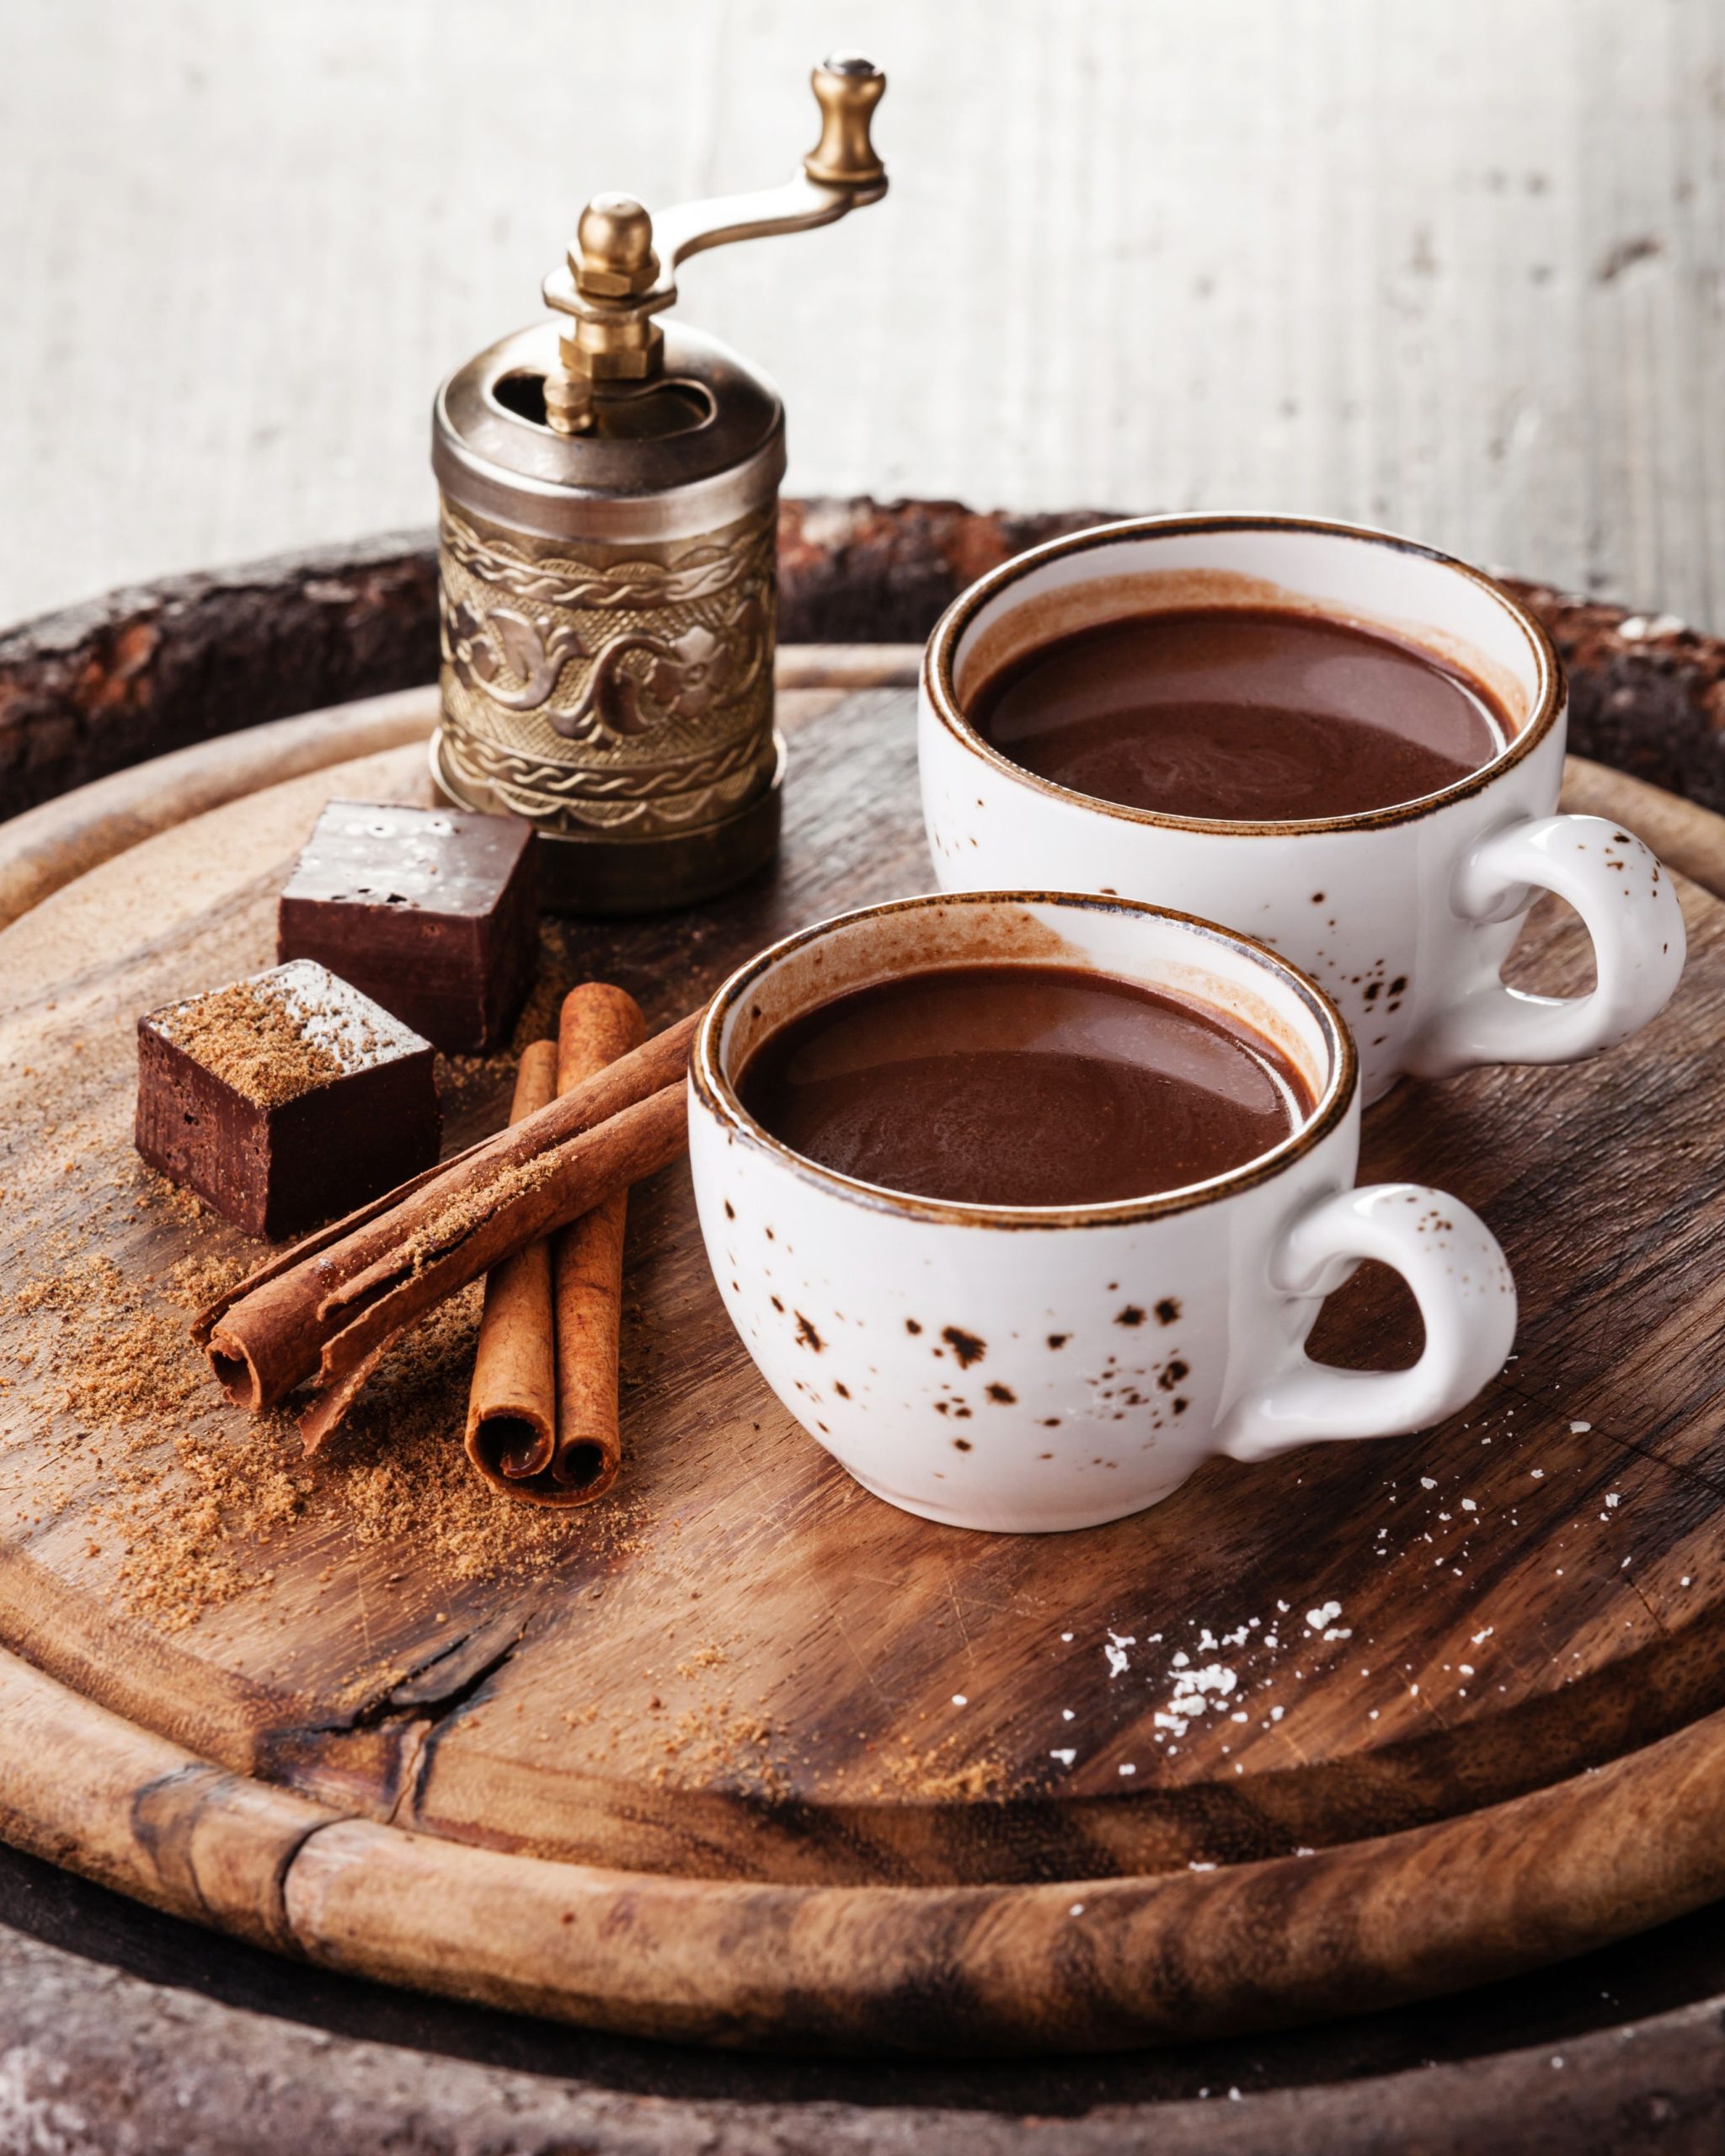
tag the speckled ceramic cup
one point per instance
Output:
(1031, 1368)
(1406, 915)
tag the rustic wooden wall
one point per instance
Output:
(1456, 269)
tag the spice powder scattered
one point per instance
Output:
(254, 1041)
(199, 1496)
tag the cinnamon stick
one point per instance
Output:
(329, 1308)
(600, 1023)
(511, 1433)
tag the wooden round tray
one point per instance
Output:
(750, 1758)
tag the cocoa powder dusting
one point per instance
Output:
(119, 1368)
(469, 1208)
(196, 1498)
(254, 1041)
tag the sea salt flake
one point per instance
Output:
(1580, 1429)
(1065, 1758)
(1427, 1483)
(1327, 1613)
(959, 1699)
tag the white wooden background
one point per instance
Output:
(1459, 267)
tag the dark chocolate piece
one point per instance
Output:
(429, 911)
(285, 1099)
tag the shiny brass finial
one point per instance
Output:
(847, 88)
(612, 257)
(614, 281)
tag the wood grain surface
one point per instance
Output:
(740, 1681)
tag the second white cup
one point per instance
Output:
(1403, 914)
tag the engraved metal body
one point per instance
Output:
(608, 554)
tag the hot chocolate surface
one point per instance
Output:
(1245, 714)
(1021, 1085)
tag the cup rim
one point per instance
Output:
(939, 654)
(714, 1091)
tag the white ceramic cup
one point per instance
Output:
(1404, 914)
(1031, 1368)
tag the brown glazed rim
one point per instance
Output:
(715, 1093)
(1547, 705)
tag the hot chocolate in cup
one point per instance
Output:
(1029, 1368)
(1403, 911)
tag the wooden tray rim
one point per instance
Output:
(1086, 1965)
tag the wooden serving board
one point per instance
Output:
(748, 1756)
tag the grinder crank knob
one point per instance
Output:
(847, 87)
(612, 257)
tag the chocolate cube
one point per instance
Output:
(285, 1099)
(430, 911)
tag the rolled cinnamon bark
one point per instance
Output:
(329, 1308)
(511, 1433)
(599, 1024)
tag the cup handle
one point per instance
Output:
(1628, 904)
(1466, 1298)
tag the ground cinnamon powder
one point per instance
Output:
(181, 1508)
(196, 1496)
(255, 1041)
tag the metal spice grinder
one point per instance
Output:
(607, 557)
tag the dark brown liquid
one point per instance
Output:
(1021, 1085)
(1250, 714)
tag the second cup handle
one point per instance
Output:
(1466, 1298)
(1628, 904)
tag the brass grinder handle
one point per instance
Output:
(847, 87)
(621, 268)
